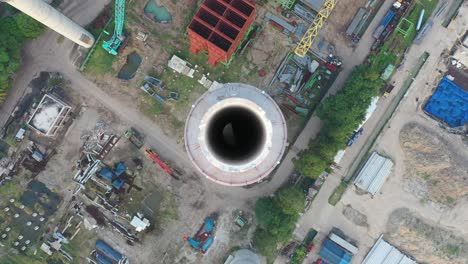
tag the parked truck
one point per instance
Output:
(134, 137)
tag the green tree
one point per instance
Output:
(28, 26)
(291, 200)
(264, 243)
(299, 255)
(271, 218)
(14, 30)
(310, 165)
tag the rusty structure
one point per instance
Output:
(219, 26)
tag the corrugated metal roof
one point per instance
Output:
(343, 243)
(384, 253)
(314, 4)
(354, 23)
(374, 173)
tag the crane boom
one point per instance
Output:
(308, 39)
(113, 44)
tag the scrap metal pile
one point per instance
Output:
(300, 81)
(97, 144)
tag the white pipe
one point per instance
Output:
(49, 16)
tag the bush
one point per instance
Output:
(271, 218)
(276, 217)
(299, 255)
(290, 200)
(13, 32)
(264, 243)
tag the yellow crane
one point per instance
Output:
(306, 42)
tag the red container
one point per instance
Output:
(219, 27)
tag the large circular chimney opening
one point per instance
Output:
(235, 134)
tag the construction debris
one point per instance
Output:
(180, 66)
(139, 222)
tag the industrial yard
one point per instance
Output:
(234, 131)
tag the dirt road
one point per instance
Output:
(322, 216)
(48, 54)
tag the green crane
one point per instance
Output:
(113, 44)
(288, 4)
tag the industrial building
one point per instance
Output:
(316, 5)
(384, 253)
(374, 173)
(219, 26)
(49, 116)
(235, 135)
(449, 104)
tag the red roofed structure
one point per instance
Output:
(219, 27)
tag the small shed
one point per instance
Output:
(20, 135)
(139, 223)
(374, 173)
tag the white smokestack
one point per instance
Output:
(49, 16)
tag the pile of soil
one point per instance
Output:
(355, 216)
(425, 241)
(434, 170)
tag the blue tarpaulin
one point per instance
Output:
(331, 253)
(120, 168)
(101, 259)
(106, 174)
(118, 183)
(449, 103)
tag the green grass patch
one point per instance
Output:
(11, 189)
(397, 42)
(335, 197)
(100, 62)
(450, 200)
(299, 255)
(20, 259)
(452, 250)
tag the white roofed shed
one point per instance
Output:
(374, 173)
(384, 253)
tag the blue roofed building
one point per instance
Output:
(336, 250)
(449, 104)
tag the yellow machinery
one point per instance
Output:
(306, 42)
